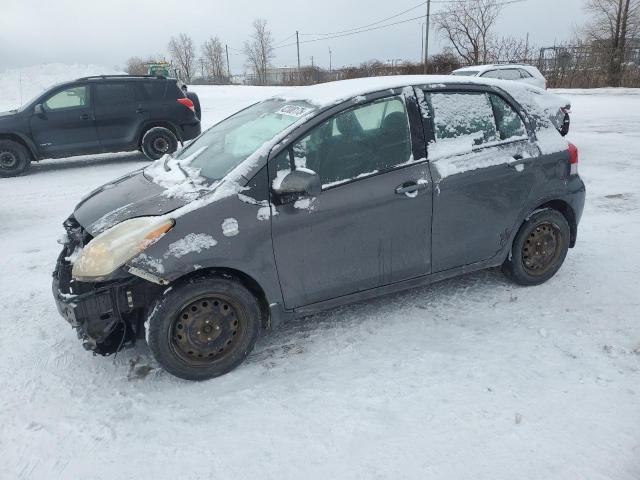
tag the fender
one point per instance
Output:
(24, 139)
(159, 123)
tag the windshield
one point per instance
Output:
(227, 144)
(466, 73)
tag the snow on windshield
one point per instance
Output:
(233, 140)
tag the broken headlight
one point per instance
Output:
(114, 247)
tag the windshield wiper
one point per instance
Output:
(168, 157)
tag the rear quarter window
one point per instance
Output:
(151, 90)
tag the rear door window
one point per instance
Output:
(463, 119)
(113, 94)
(503, 74)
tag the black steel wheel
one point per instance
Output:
(14, 158)
(207, 329)
(539, 248)
(204, 327)
(158, 141)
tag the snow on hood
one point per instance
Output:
(128, 197)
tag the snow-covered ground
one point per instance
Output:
(472, 378)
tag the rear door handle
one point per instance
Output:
(84, 116)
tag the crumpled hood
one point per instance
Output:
(8, 113)
(131, 196)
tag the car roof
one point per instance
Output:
(331, 93)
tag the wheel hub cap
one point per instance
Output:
(540, 248)
(161, 144)
(205, 330)
(8, 160)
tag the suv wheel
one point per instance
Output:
(14, 158)
(158, 141)
(539, 248)
(203, 328)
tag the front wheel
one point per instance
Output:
(203, 328)
(158, 141)
(14, 158)
(539, 248)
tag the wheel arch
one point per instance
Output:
(25, 142)
(158, 123)
(246, 280)
(567, 211)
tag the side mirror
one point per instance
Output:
(39, 110)
(299, 183)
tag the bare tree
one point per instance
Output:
(183, 53)
(135, 66)
(613, 24)
(511, 49)
(259, 49)
(468, 25)
(214, 59)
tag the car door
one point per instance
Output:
(481, 157)
(119, 114)
(63, 123)
(371, 224)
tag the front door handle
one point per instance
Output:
(411, 189)
(84, 116)
(141, 110)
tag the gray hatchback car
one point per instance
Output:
(325, 195)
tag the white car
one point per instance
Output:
(515, 72)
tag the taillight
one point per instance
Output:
(187, 103)
(573, 158)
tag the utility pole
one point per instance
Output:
(330, 66)
(228, 66)
(311, 61)
(426, 37)
(298, 47)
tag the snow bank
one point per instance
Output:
(19, 85)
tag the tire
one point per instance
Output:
(196, 103)
(15, 159)
(203, 327)
(539, 248)
(157, 142)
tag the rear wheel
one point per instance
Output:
(539, 248)
(203, 328)
(15, 159)
(158, 141)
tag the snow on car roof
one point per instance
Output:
(326, 94)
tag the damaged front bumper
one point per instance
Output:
(108, 316)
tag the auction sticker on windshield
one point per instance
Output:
(294, 110)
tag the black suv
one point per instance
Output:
(97, 115)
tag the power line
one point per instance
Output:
(368, 25)
(421, 17)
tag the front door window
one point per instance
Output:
(356, 143)
(75, 97)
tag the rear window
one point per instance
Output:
(466, 73)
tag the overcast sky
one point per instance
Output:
(107, 32)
